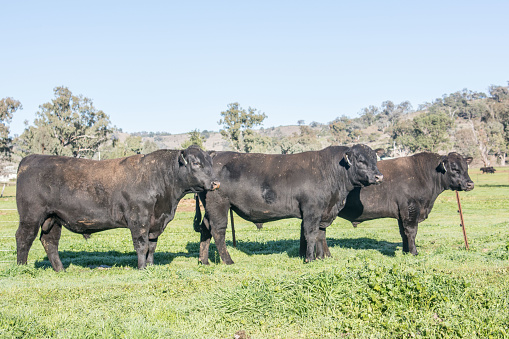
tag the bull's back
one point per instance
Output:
(76, 190)
(266, 187)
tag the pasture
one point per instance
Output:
(368, 289)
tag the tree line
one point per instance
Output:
(472, 123)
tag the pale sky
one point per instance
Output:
(173, 66)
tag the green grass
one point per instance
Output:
(368, 289)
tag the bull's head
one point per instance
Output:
(454, 169)
(361, 160)
(197, 168)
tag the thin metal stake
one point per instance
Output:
(233, 228)
(462, 221)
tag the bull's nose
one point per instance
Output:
(470, 185)
(215, 185)
(379, 178)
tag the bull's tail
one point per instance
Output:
(197, 215)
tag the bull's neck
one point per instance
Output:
(168, 174)
(435, 178)
(341, 179)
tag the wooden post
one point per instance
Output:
(462, 221)
(233, 228)
(3, 189)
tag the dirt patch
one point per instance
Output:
(187, 205)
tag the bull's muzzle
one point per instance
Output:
(379, 178)
(215, 185)
(470, 186)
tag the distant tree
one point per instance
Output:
(286, 145)
(427, 132)
(68, 125)
(499, 93)
(237, 122)
(403, 138)
(465, 143)
(7, 108)
(305, 140)
(195, 138)
(256, 143)
(300, 122)
(391, 113)
(369, 114)
(132, 145)
(338, 131)
(149, 147)
(489, 123)
(431, 131)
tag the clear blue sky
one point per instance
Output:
(175, 65)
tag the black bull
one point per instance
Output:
(140, 192)
(311, 186)
(407, 193)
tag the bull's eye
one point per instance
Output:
(196, 164)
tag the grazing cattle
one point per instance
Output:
(311, 186)
(408, 192)
(488, 169)
(140, 192)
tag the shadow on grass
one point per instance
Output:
(110, 258)
(384, 247)
(291, 247)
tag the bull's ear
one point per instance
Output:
(379, 152)
(442, 165)
(182, 160)
(212, 154)
(469, 160)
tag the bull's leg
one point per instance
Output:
(403, 236)
(50, 237)
(219, 239)
(408, 232)
(310, 225)
(217, 215)
(141, 245)
(152, 244)
(303, 243)
(322, 250)
(25, 236)
(205, 237)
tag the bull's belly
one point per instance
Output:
(87, 226)
(265, 214)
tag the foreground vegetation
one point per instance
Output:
(368, 289)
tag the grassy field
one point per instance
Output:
(368, 289)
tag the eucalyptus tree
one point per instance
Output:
(68, 125)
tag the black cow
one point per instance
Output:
(140, 192)
(311, 186)
(408, 192)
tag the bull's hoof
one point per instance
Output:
(228, 262)
(206, 263)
